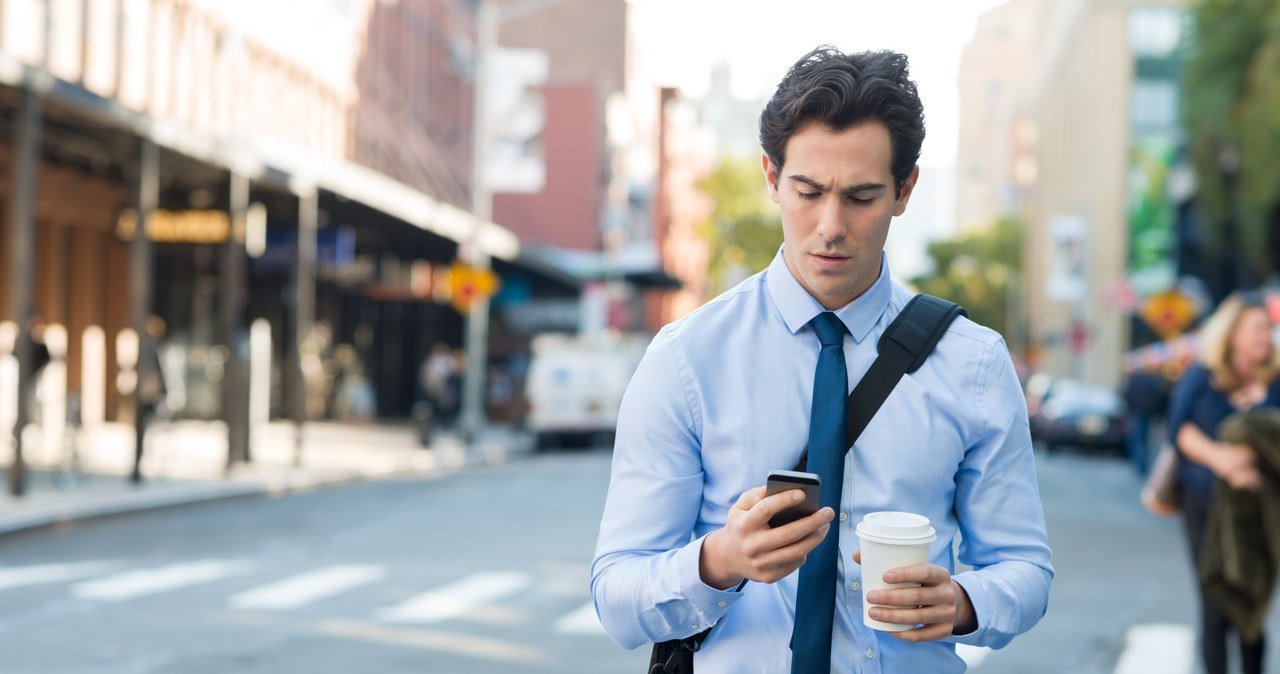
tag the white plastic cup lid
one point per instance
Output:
(896, 528)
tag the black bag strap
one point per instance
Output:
(902, 349)
(676, 656)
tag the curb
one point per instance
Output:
(283, 480)
(147, 498)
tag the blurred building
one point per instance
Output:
(585, 45)
(996, 70)
(732, 121)
(596, 209)
(1064, 144)
(214, 162)
(686, 155)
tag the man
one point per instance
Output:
(1146, 395)
(723, 396)
(151, 388)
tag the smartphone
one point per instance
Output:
(783, 480)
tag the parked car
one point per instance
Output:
(575, 385)
(1073, 413)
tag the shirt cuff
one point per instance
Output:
(972, 587)
(708, 601)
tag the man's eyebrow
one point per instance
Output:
(852, 189)
(809, 181)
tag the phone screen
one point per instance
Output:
(783, 480)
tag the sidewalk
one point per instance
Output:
(185, 462)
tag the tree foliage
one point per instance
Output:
(1231, 92)
(978, 271)
(744, 230)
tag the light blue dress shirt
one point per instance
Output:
(722, 397)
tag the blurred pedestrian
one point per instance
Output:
(29, 391)
(437, 376)
(1238, 370)
(1146, 398)
(355, 399)
(150, 390)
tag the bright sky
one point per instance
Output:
(680, 40)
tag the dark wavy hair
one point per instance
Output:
(840, 91)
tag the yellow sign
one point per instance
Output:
(185, 226)
(1168, 313)
(468, 284)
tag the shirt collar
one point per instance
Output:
(798, 307)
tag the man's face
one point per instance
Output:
(836, 195)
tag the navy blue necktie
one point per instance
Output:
(816, 596)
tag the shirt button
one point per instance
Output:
(844, 516)
(854, 586)
(870, 654)
(722, 603)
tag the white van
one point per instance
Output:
(575, 385)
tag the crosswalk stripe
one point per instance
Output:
(451, 601)
(302, 589)
(21, 576)
(141, 582)
(582, 620)
(1161, 648)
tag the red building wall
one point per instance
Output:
(566, 212)
(413, 118)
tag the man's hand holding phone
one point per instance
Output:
(748, 548)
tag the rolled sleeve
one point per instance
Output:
(1003, 533)
(645, 579)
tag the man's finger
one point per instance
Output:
(769, 506)
(749, 498)
(925, 574)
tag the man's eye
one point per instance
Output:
(809, 195)
(861, 201)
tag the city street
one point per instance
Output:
(486, 570)
(480, 571)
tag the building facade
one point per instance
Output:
(188, 159)
(1061, 157)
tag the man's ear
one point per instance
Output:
(904, 194)
(770, 176)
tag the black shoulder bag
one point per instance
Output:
(903, 348)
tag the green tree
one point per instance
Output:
(978, 271)
(744, 230)
(1231, 92)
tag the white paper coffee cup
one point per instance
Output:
(891, 539)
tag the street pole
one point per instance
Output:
(22, 246)
(140, 280)
(305, 306)
(473, 383)
(235, 401)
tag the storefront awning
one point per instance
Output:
(289, 166)
(637, 268)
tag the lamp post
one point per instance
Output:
(473, 383)
(490, 14)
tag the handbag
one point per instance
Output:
(1162, 495)
(903, 348)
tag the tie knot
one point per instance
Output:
(829, 328)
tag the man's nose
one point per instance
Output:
(831, 221)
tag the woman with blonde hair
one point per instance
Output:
(1237, 371)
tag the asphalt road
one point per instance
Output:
(486, 570)
(480, 571)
